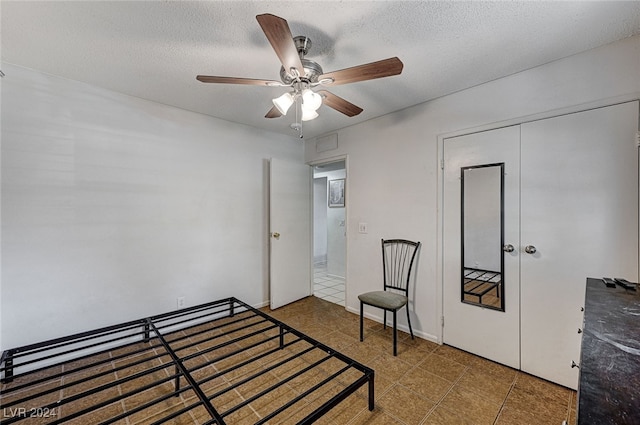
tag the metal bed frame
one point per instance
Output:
(479, 282)
(217, 363)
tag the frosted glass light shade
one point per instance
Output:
(311, 100)
(283, 103)
(308, 114)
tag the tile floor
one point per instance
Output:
(427, 383)
(326, 287)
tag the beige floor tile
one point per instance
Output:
(380, 340)
(426, 384)
(544, 406)
(443, 416)
(411, 354)
(405, 405)
(376, 417)
(15, 403)
(361, 354)
(20, 380)
(471, 405)
(455, 354)
(421, 344)
(484, 384)
(338, 340)
(443, 367)
(496, 370)
(390, 367)
(548, 391)
(510, 416)
(98, 416)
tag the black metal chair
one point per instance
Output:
(398, 256)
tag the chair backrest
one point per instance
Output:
(398, 256)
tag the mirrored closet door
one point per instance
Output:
(567, 191)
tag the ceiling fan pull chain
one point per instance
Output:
(299, 110)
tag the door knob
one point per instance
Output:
(530, 249)
(508, 248)
(276, 235)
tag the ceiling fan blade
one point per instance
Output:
(273, 113)
(279, 35)
(339, 104)
(236, 80)
(369, 71)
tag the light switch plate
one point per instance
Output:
(363, 228)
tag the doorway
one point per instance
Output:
(329, 231)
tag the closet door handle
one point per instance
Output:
(530, 249)
(508, 248)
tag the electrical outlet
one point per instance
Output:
(362, 228)
(180, 302)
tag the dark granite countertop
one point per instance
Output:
(609, 391)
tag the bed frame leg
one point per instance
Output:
(8, 367)
(281, 337)
(177, 381)
(146, 332)
(231, 312)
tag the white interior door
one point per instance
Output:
(483, 331)
(579, 177)
(290, 232)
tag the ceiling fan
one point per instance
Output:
(302, 75)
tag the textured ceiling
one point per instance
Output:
(154, 50)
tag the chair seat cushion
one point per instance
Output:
(383, 299)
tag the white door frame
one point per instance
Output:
(347, 190)
(440, 182)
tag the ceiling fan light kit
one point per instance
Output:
(308, 114)
(311, 100)
(302, 75)
(284, 102)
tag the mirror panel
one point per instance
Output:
(482, 236)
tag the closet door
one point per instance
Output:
(481, 218)
(579, 213)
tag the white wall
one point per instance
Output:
(335, 228)
(394, 160)
(113, 206)
(319, 219)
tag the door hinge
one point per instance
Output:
(638, 139)
(442, 321)
(442, 164)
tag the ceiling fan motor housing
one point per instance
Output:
(312, 70)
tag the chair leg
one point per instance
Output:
(384, 322)
(409, 321)
(361, 322)
(395, 334)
